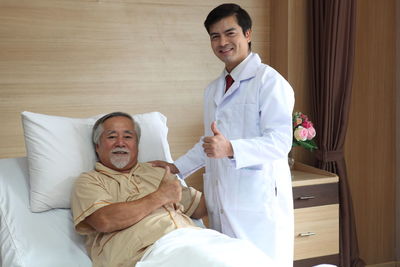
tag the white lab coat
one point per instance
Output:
(250, 196)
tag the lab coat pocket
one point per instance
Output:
(211, 201)
(256, 189)
(209, 192)
(206, 183)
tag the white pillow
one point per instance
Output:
(59, 149)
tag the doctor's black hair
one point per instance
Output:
(227, 10)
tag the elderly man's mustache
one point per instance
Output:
(120, 150)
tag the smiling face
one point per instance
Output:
(229, 43)
(118, 145)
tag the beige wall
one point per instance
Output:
(290, 55)
(82, 57)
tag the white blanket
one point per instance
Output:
(203, 247)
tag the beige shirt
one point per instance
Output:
(104, 186)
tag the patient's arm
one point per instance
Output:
(201, 210)
(118, 216)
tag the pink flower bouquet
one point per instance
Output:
(303, 132)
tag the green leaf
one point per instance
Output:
(308, 144)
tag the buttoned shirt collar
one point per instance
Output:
(238, 69)
(103, 169)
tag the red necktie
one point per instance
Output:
(229, 80)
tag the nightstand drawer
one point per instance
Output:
(315, 195)
(316, 231)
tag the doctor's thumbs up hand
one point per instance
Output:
(170, 190)
(217, 146)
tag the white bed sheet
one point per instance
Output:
(48, 239)
(203, 248)
(34, 239)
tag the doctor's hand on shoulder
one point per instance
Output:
(217, 146)
(163, 164)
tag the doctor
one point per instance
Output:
(248, 134)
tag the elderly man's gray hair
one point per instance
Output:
(98, 126)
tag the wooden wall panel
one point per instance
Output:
(370, 144)
(80, 58)
(397, 123)
(290, 55)
(299, 63)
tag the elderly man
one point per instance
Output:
(124, 207)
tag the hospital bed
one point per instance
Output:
(36, 226)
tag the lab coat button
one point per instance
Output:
(222, 211)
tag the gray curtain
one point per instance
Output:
(333, 41)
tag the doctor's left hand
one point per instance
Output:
(217, 146)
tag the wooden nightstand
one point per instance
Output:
(316, 203)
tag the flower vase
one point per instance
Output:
(291, 159)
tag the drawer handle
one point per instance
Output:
(307, 234)
(306, 197)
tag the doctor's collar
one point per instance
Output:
(239, 68)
